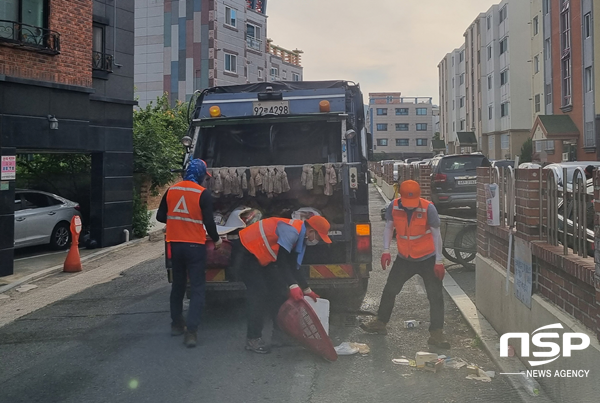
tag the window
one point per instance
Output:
(504, 45)
(284, 75)
(401, 111)
(230, 17)
(421, 127)
(30, 12)
(536, 25)
(566, 81)
(401, 127)
(490, 81)
(550, 145)
(565, 43)
(36, 200)
(381, 111)
(504, 77)
(253, 37)
(453, 104)
(588, 79)
(461, 56)
(462, 125)
(504, 142)
(295, 77)
(389, 99)
(547, 49)
(274, 73)
(100, 60)
(260, 73)
(504, 109)
(545, 6)
(382, 142)
(490, 112)
(422, 111)
(503, 13)
(402, 142)
(462, 79)
(587, 25)
(382, 127)
(421, 142)
(230, 63)
(490, 50)
(489, 22)
(536, 64)
(537, 103)
(462, 102)
(548, 94)
(452, 82)
(538, 146)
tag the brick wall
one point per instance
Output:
(571, 282)
(73, 20)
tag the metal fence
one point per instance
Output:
(505, 179)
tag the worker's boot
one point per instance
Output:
(280, 339)
(178, 327)
(190, 339)
(437, 338)
(257, 345)
(374, 326)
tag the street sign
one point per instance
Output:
(9, 168)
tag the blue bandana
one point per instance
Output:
(196, 171)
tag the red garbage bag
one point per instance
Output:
(218, 258)
(299, 320)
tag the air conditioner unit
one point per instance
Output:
(565, 157)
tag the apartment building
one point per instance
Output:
(66, 86)
(453, 115)
(473, 93)
(183, 46)
(402, 127)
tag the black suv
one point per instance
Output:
(454, 180)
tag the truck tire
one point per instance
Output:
(347, 300)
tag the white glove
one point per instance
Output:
(218, 243)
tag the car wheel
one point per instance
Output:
(61, 236)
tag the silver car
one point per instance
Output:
(43, 218)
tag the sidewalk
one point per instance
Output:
(31, 268)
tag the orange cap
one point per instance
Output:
(321, 225)
(410, 194)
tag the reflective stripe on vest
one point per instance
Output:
(184, 215)
(414, 239)
(261, 239)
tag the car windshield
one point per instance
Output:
(461, 164)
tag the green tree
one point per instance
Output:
(526, 151)
(157, 131)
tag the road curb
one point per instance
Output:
(484, 330)
(152, 237)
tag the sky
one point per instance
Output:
(385, 45)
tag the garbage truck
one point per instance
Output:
(292, 150)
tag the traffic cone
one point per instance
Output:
(73, 260)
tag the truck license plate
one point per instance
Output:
(271, 108)
(468, 182)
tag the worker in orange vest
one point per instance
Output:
(419, 243)
(187, 210)
(273, 252)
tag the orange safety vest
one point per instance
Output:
(184, 216)
(415, 240)
(260, 238)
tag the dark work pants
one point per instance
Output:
(189, 259)
(266, 291)
(402, 270)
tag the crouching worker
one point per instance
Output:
(187, 209)
(419, 242)
(273, 252)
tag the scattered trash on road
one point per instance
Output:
(455, 363)
(26, 287)
(4, 296)
(422, 357)
(434, 366)
(401, 361)
(411, 324)
(477, 374)
(491, 374)
(348, 348)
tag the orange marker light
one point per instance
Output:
(214, 111)
(324, 106)
(363, 229)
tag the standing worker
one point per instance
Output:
(419, 242)
(187, 209)
(273, 252)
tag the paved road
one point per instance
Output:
(111, 343)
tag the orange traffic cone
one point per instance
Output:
(73, 260)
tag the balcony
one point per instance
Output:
(102, 62)
(24, 36)
(254, 44)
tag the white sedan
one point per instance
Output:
(43, 218)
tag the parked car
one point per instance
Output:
(503, 163)
(529, 165)
(454, 180)
(571, 167)
(43, 218)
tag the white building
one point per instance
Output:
(452, 98)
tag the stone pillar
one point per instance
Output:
(527, 188)
(7, 219)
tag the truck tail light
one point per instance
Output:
(363, 244)
(363, 229)
(440, 178)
